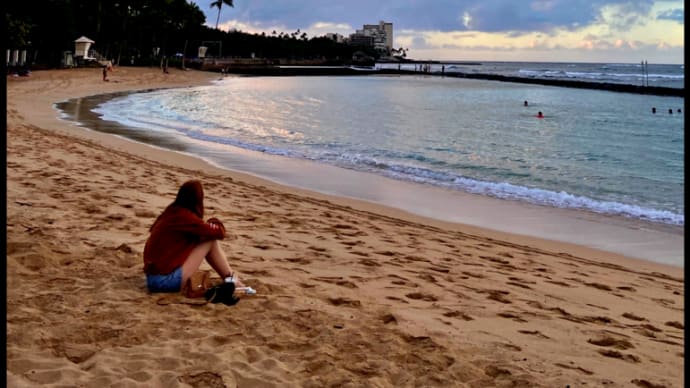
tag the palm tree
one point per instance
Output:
(219, 4)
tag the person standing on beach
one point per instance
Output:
(105, 73)
(180, 240)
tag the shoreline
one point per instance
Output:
(348, 292)
(638, 239)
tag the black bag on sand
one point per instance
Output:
(222, 293)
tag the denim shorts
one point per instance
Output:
(171, 282)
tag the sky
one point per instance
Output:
(608, 31)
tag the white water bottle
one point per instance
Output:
(240, 290)
(246, 290)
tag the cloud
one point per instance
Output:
(579, 27)
(677, 15)
(623, 17)
(420, 43)
(442, 15)
(506, 16)
(314, 30)
(466, 20)
(323, 28)
(250, 27)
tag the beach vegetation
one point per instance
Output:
(145, 32)
(219, 4)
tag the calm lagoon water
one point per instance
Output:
(598, 151)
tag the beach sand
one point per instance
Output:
(349, 294)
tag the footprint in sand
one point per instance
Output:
(633, 317)
(646, 384)
(339, 281)
(517, 284)
(395, 298)
(458, 314)
(608, 341)
(536, 333)
(345, 302)
(616, 354)
(388, 318)
(499, 296)
(675, 324)
(558, 283)
(401, 281)
(573, 367)
(203, 379)
(439, 269)
(297, 260)
(599, 286)
(514, 316)
(421, 296)
(369, 263)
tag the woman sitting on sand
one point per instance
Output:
(180, 240)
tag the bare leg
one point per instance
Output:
(214, 255)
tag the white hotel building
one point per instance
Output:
(380, 36)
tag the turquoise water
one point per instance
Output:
(598, 151)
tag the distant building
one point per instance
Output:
(82, 46)
(379, 36)
(361, 40)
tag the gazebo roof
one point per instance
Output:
(84, 39)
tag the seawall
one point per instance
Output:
(353, 70)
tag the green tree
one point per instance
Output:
(219, 4)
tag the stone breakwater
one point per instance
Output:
(353, 70)
(625, 88)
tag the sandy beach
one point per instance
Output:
(349, 293)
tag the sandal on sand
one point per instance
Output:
(222, 293)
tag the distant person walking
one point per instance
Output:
(105, 73)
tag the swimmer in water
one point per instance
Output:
(540, 115)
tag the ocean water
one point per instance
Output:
(597, 151)
(649, 74)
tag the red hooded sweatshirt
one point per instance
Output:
(178, 230)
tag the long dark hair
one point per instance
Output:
(191, 197)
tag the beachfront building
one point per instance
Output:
(379, 36)
(82, 47)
